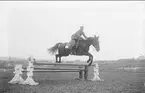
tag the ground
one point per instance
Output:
(116, 80)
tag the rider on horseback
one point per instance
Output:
(75, 37)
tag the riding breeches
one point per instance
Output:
(71, 44)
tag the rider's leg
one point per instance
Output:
(75, 44)
(70, 44)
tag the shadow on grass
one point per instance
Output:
(4, 79)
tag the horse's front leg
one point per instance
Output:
(90, 58)
(59, 59)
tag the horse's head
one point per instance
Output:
(95, 43)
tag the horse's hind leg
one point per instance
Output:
(59, 59)
(90, 59)
(56, 56)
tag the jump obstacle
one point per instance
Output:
(34, 66)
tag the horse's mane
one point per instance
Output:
(90, 38)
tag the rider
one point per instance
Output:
(76, 36)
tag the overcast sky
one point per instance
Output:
(29, 28)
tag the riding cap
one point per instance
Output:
(81, 26)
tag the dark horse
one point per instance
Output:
(82, 49)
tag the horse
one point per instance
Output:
(81, 50)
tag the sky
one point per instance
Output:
(29, 28)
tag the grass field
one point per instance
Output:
(115, 80)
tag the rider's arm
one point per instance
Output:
(81, 38)
(84, 35)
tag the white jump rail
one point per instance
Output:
(34, 66)
(79, 67)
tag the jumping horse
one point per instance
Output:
(81, 50)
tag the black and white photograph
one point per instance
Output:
(72, 46)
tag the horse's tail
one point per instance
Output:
(54, 49)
